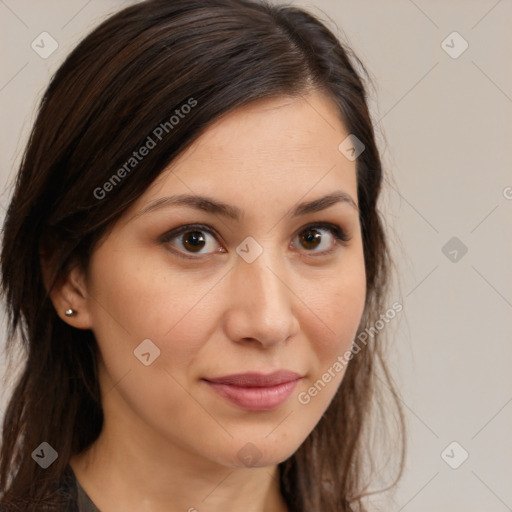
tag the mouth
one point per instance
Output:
(256, 391)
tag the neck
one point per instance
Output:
(126, 470)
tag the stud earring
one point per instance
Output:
(69, 312)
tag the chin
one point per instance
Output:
(259, 453)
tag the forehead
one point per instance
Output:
(275, 152)
(274, 128)
(271, 139)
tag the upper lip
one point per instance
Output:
(257, 379)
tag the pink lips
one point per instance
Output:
(255, 391)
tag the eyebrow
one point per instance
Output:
(216, 207)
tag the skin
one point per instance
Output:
(169, 442)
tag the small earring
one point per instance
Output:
(69, 312)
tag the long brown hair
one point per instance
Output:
(124, 79)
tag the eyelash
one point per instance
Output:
(339, 234)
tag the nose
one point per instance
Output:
(261, 305)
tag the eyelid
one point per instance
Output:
(336, 229)
(340, 234)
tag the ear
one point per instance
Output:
(69, 292)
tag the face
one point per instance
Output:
(179, 295)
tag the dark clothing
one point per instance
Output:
(72, 497)
(79, 501)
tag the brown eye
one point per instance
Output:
(193, 241)
(198, 240)
(311, 239)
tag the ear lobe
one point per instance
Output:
(69, 292)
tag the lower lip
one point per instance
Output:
(256, 399)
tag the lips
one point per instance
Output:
(256, 391)
(257, 380)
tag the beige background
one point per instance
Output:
(445, 131)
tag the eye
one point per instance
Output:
(192, 239)
(195, 240)
(311, 238)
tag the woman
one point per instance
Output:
(191, 254)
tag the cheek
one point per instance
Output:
(135, 299)
(338, 306)
(132, 302)
(144, 297)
